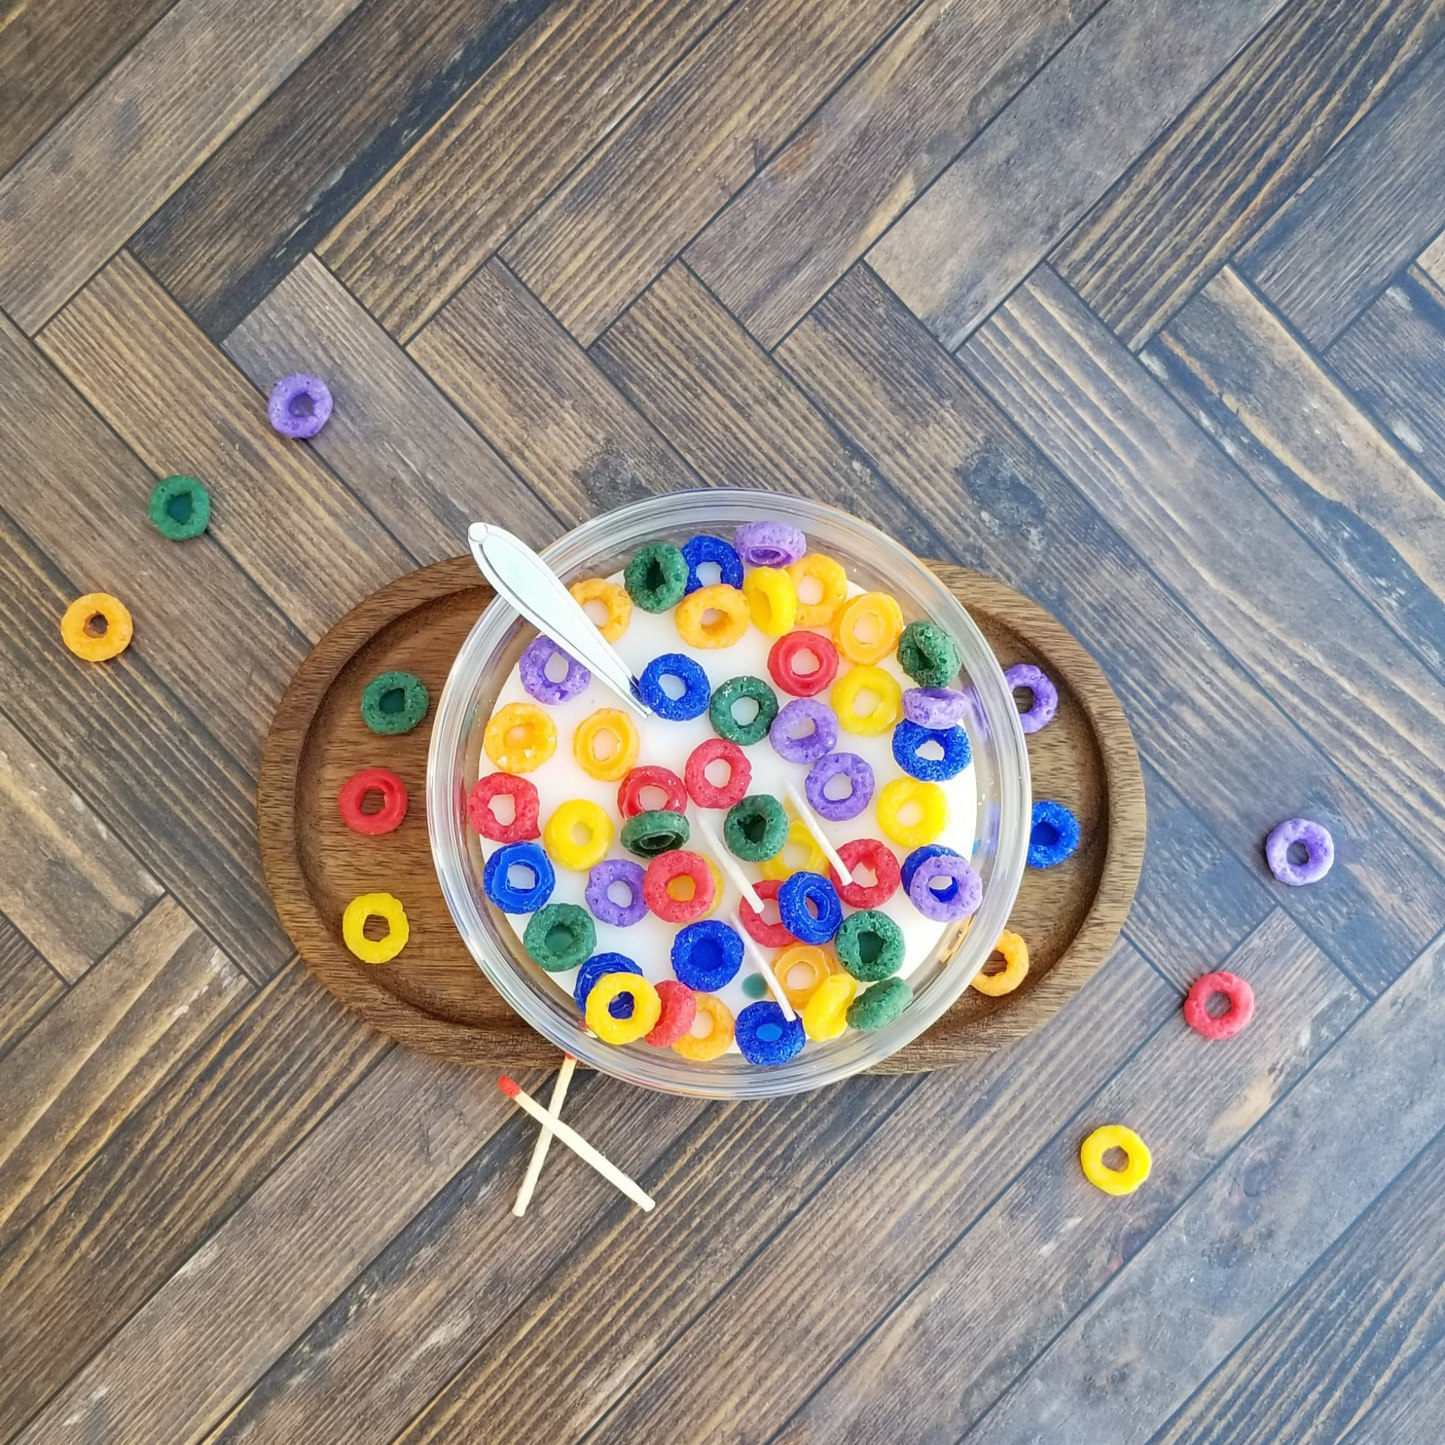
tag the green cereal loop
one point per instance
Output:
(734, 690)
(560, 936)
(651, 833)
(180, 508)
(756, 828)
(869, 944)
(879, 1005)
(656, 578)
(928, 654)
(383, 715)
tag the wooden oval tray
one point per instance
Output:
(435, 998)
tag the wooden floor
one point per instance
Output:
(1136, 304)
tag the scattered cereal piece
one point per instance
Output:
(1016, 967)
(393, 801)
(353, 927)
(770, 935)
(825, 1014)
(630, 801)
(180, 508)
(92, 643)
(1053, 835)
(928, 654)
(394, 702)
(1044, 695)
(801, 956)
(878, 858)
(934, 707)
(879, 1004)
(1233, 1020)
(1115, 1181)
(299, 405)
(1319, 848)
(704, 792)
(519, 738)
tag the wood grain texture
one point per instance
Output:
(1213, 538)
(152, 774)
(28, 986)
(706, 130)
(399, 445)
(85, 505)
(869, 150)
(1237, 154)
(267, 1272)
(50, 55)
(1003, 204)
(65, 881)
(1410, 1413)
(1373, 205)
(1297, 433)
(1229, 751)
(454, 198)
(196, 74)
(532, 392)
(1432, 260)
(163, 1182)
(1390, 355)
(706, 1372)
(100, 1052)
(386, 74)
(1337, 1342)
(1053, 1239)
(299, 534)
(1265, 1215)
(735, 417)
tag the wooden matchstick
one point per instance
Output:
(576, 1143)
(724, 860)
(761, 964)
(811, 823)
(544, 1138)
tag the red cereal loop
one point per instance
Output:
(770, 935)
(663, 870)
(1241, 1005)
(523, 826)
(872, 854)
(679, 1008)
(393, 801)
(740, 773)
(629, 794)
(782, 663)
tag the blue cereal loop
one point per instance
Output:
(909, 737)
(694, 699)
(921, 855)
(767, 1036)
(793, 912)
(498, 885)
(593, 969)
(699, 550)
(1053, 835)
(706, 955)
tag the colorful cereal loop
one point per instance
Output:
(1016, 967)
(726, 628)
(867, 628)
(1115, 1181)
(860, 684)
(814, 860)
(613, 596)
(1228, 986)
(646, 1008)
(114, 635)
(789, 967)
(519, 738)
(716, 1035)
(932, 806)
(525, 808)
(353, 927)
(562, 842)
(354, 792)
(610, 728)
(679, 1008)
(825, 1014)
(772, 600)
(832, 583)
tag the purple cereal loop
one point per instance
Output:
(1046, 695)
(532, 670)
(934, 707)
(964, 899)
(605, 908)
(306, 422)
(812, 745)
(858, 773)
(769, 544)
(1317, 842)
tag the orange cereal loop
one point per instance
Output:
(519, 737)
(867, 628)
(832, 582)
(772, 600)
(1016, 967)
(711, 1034)
(799, 970)
(96, 627)
(606, 744)
(727, 627)
(613, 596)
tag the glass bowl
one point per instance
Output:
(602, 547)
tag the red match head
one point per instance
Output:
(510, 1087)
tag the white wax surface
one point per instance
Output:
(649, 942)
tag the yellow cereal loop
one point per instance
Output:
(825, 1015)
(97, 627)
(785, 864)
(646, 1008)
(772, 600)
(712, 1029)
(728, 624)
(1016, 967)
(1115, 1181)
(519, 737)
(613, 596)
(605, 744)
(353, 927)
(578, 834)
(867, 628)
(909, 795)
(800, 969)
(878, 694)
(831, 579)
